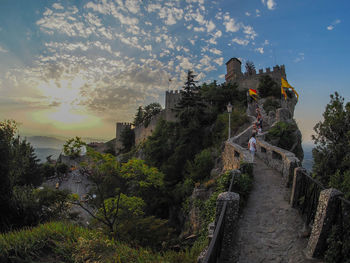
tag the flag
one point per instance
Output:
(253, 93)
(285, 84)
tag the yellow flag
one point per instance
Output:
(285, 84)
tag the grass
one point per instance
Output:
(65, 242)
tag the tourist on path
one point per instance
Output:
(252, 147)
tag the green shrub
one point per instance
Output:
(201, 166)
(268, 87)
(65, 242)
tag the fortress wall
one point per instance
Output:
(142, 132)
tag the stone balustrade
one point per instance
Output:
(282, 160)
(233, 155)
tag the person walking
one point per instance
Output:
(252, 147)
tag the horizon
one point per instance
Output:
(76, 68)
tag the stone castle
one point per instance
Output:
(234, 75)
(251, 81)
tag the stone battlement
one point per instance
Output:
(245, 80)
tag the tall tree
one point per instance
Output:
(190, 108)
(332, 151)
(250, 68)
(139, 116)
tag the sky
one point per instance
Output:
(72, 68)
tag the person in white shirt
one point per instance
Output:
(252, 147)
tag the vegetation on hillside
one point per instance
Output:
(332, 167)
(268, 87)
(21, 202)
(285, 136)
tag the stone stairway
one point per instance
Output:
(268, 230)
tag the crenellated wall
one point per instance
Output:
(247, 81)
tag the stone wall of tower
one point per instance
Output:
(120, 126)
(172, 98)
(246, 81)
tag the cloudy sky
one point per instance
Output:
(76, 67)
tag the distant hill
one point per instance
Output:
(46, 145)
(42, 153)
(308, 160)
(45, 142)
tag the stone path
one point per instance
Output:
(269, 227)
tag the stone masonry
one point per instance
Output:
(234, 74)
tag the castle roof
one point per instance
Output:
(233, 59)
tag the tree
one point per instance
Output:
(190, 108)
(332, 152)
(250, 68)
(139, 117)
(268, 87)
(73, 147)
(150, 111)
(20, 203)
(119, 192)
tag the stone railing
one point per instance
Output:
(322, 209)
(222, 244)
(233, 155)
(282, 160)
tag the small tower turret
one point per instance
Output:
(233, 69)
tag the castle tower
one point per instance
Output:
(233, 69)
(120, 126)
(172, 98)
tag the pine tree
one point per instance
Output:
(249, 67)
(139, 116)
(190, 107)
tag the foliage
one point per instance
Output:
(190, 109)
(32, 206)
(283, 135)
(48, 170)
(268, 87)
(73, 147)
(127, 138)
(250, 68)
(139, 116)
(332, 152)
(334, 251)
(19, 167)
(150, 111)
(218, 96)
(123, 195)
(144, 115)
(65, 242)
(271, 105)
(201, 166)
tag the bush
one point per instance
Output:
(201, 166)
(65, 242)
(268, 87)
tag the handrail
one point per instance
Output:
(215, 244)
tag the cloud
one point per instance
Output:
(247, 14)
(2, 49)
(249, 32)
(242, 42)
(230, 24)
(333, 24)
(271, 4)
(301, 57)
(57, 6)
(215, 51)
(260, 50)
